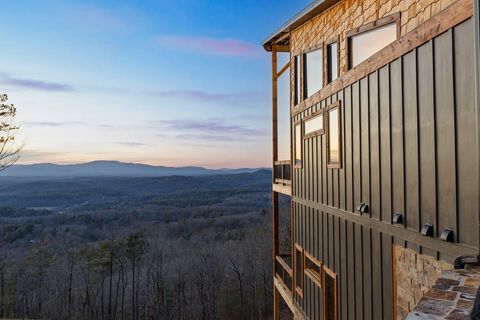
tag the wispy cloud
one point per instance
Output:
(12, 81)
(203, 96)
(131, 144)
(210, 130)
(210, 46)
(52, 123)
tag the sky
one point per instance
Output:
(161, 82)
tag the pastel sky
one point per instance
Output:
(163, 82)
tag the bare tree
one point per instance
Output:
(9, 151)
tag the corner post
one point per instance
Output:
(476, 34)
(275, 244)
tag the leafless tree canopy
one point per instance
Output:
(9, 151)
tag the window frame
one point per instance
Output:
(298, 164)
(333, 275)
(335, 39)
(382, 22)
(299, 290)
(326, 118)
(316, 132)
(297, 79)
(317, 278)
(319, 46)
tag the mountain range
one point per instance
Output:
(112, 169)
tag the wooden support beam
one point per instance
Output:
(279, 48)
(285, 68)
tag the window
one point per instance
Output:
(334, 138)
(313, 125)
(298, 144)
(313, 269)
(365, 44)
(329, 294)
(299, 270)
(297, 79)
(332, 61)
(312, 72)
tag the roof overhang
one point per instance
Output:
(281, 36)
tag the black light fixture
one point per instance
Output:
(427, 230)
(398, 218)
(362, 208)
(447, 235)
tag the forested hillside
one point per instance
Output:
(136, 248)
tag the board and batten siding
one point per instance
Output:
(409, 146)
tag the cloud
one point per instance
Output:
(203, 96)
(132, 144)
(33, 84)
(210, 46)
(52, 123)
(211, 130)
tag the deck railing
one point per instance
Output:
(282, 172)
(283, 270)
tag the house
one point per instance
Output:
(376, 147)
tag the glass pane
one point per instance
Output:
(299, 269)
(333, 136)
(298, 143)
(313, 72)
(297, 79)
(366, 44)
(330, 297)
(332, 61)
(314, 124)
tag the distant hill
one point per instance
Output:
(112, 169)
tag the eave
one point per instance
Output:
(281, 36)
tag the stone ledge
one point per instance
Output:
(454, 296)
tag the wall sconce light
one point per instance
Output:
(362, 208)
(447, 235)
(398, 218)
(427, 230)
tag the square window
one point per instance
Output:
(313, 125)
(365, 44)
(312, 72)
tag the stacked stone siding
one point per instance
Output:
(454, 296)
(350, 14)
(415, 274)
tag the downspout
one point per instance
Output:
(476, 35)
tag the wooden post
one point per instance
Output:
(275, 247)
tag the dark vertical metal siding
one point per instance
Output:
(409, 135)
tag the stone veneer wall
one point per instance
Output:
(350, 14)
(415, 274)
(454, 296)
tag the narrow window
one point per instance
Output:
(334, 137)
(299, 270)
(330, 294)
(313, 269)
(332, 61)
(312, 72)
(298, 144)
(365, 44)
(313, 125)
(297, 79)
